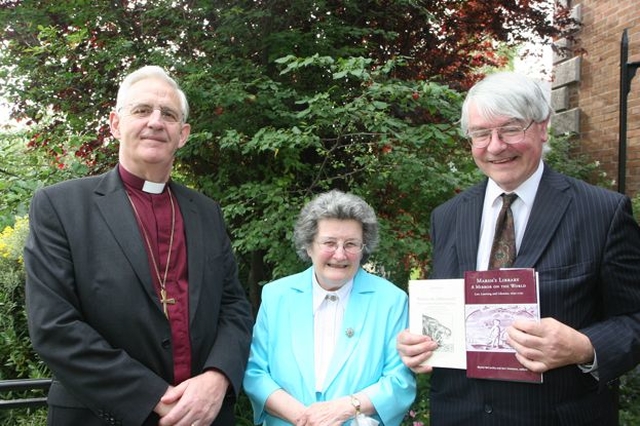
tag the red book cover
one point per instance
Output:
(493, 300)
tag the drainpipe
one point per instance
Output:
(627, 72)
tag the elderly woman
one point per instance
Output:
(323, 350)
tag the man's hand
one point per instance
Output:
(548, 344)
(414, 350)
(163, 409)
(196, 401)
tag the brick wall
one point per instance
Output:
(586, 90)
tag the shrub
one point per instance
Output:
(561, 156)
(635, 201)
(630, 398)
(418, 415)
(19, 360)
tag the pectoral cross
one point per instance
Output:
(165, 301)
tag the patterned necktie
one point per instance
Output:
(503, 250)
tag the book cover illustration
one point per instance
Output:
(436, 309)
(493, 300)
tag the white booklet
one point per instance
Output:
(436, 309)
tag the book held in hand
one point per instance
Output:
(436, 309)
(493, 300)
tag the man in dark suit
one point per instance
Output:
(585, 245)
(132, 291)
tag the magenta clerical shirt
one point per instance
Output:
(154, 212)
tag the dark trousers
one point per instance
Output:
(66, 416)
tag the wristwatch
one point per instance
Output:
(356, 404)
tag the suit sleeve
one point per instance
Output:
(258, 383)
(616, 338)
(103, 378)
(230, 350)
(393, 394)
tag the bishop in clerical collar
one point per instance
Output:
(111, 305)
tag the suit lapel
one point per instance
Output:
(113, 204)
(194, 233)
(301, 322)
(548, 209)
(468, 217)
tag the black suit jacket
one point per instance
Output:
(94, 316)
(585, 245)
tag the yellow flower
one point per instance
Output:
(12, 239)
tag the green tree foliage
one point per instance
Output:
(16, 353)
(23, 169)
(288, 98)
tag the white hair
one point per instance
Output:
(507, 94)
(151, 71)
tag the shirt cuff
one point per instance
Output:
(591, 368)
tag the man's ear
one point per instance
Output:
(184, 134)
(544, 129)
(114, 124)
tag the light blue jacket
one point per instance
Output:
(282, 350)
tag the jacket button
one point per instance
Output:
(166, 343)
(488, 408)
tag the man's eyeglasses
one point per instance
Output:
(510, 134)
(167, 115)
(331, 246)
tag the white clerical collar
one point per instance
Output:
(153, 187)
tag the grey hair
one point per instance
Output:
(335, 204)
(152, 71)
(507, 94)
